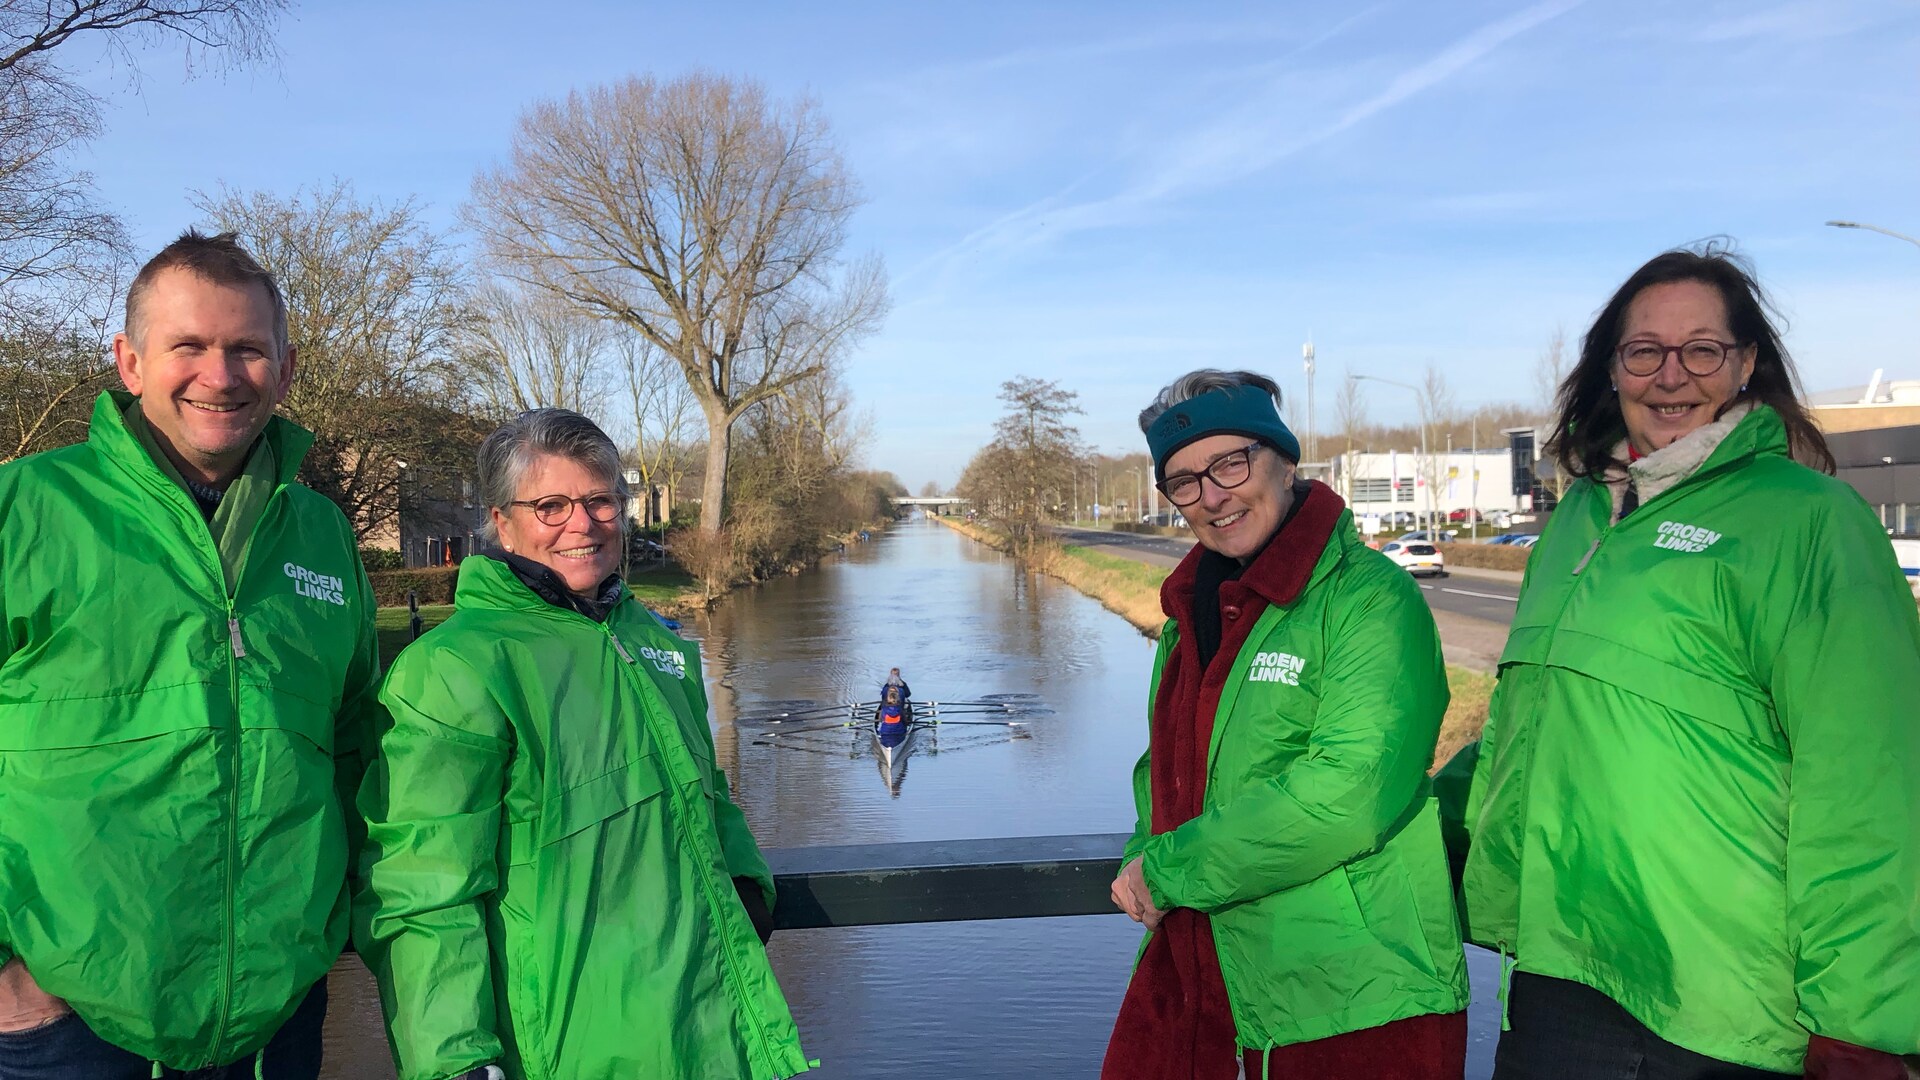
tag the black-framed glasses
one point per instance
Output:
(1701, 356)
(602, 506)
(1229, 470)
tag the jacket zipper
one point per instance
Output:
(237, 649)
(714, 906)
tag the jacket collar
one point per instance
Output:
(487, 582)
(1304, 549)
(110, 437)
(1748, 429)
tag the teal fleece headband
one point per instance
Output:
(1230, 410)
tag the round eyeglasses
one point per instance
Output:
(1229, 470)
(1700, 357)
(557, 509)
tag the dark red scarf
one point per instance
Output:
(1175, 1023)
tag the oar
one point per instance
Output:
(804, 730)
(988, 704)
(977, 723)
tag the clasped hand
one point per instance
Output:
(1131, 896)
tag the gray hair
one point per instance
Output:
(506, 455)
(1194, 383)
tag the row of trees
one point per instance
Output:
(665, 256)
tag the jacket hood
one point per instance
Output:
(489, 583)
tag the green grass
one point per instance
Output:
(390, 625)
(657, 589)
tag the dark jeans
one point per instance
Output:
(1564, 1030)
(67, 1049)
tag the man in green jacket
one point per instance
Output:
(186, 678)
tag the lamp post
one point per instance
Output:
(1306, 353)
(1139, 490)
(1874, 228)
(1421, 400)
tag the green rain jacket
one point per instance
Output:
(1697, 792)
(551, 851)
(175, 759)
(1318, 857)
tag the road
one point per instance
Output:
(1488, 598)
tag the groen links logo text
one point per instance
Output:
(317, 585)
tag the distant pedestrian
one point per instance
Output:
(1695, 811)
(558, 883)
(1287, 859)
(189, 677)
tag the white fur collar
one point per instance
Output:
(1667, 466)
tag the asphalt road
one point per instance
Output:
(1461, 593)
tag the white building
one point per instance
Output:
(1383, 482)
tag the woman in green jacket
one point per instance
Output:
(557, 884)
(1695, 810)
(1286, 859)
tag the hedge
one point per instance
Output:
(1485, 556)
(434, 584)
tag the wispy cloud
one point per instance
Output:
(1247, 141)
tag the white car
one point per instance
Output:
(1432, 536)
(1416, 557)
(1908, 552)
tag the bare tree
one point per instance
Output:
(227, 32)
(1350, 412)
(377, 307)
(51, 227)
(664, 428)
(930, 490)
(532, 352)
(1030, 465)
(1551, 370)
(703, 216)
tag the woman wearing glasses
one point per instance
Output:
(1286, 860)
(1695, 810)
(556, 883)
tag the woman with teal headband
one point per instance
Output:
(1287, 861)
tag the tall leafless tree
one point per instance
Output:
(1551, 371)
(701, 214)
(378, 305)
(664, 419)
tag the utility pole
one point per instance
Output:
(1473, 455)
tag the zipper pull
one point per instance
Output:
(233, 637)
(619, 648)
(1584, 559)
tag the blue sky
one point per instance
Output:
(1109, 194)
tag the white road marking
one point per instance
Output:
(1483, 595)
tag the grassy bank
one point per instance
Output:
(669, 590)
(1131, 589)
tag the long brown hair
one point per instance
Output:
(1589, 424)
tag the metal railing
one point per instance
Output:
(1019, 877)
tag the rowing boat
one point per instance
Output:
(892, 742)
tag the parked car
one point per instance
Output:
(1432, 536)
(1525, 539)
(1397, 519)
(1415, 557)
(1502, 540)
(1908, 552)
(1499, 519)
(1466, 516)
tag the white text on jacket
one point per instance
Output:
(317, 585)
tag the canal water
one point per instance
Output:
(1006, 999)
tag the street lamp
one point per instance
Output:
(1874, 228)
(1139, 490)
(1421, 400)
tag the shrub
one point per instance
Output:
(433, 584)
(1485, 556)
(375, 559)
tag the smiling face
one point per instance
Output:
(1237, 521)
(581, 550)
(1672, 402)
(205, 370)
